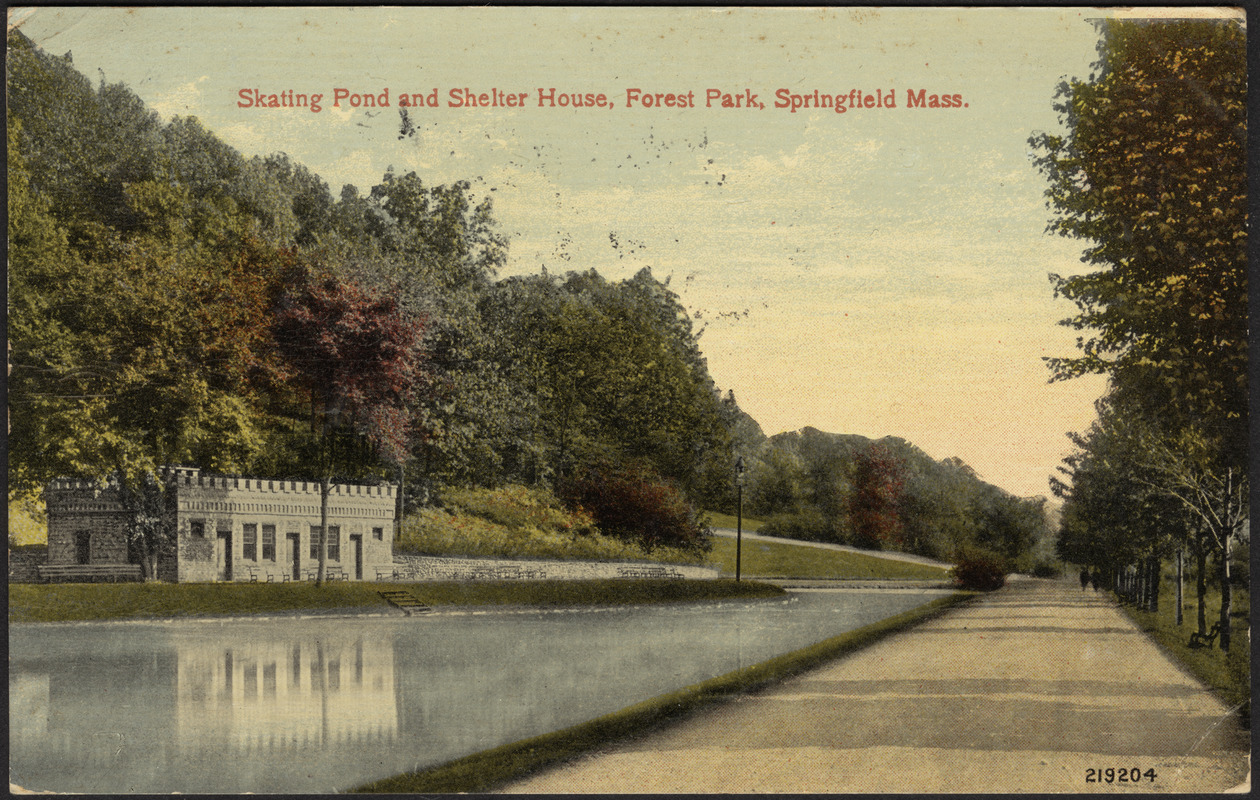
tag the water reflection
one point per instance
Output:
(303, 706)
(259, 696)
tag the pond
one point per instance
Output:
(319, 705)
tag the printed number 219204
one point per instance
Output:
(1121, 775)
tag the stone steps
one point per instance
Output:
(405, 601)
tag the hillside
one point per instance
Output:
(887, 494)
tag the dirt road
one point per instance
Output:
(1026, 691)
(730, 533)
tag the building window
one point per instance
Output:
(269, 543)
(198, 528)
(249, 541)
(334, 543)
(378, 534)
(314, 542)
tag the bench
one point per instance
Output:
(395, 572)
(261, 572)
(647, 572)
(1208, 639)
(89, 572)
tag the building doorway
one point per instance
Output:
(83, 547)
(356, 552)
(295, 554)
(223, 555)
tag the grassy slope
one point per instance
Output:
(87, 601)
(775, 559)
(717, 520)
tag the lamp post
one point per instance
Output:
(739, 516)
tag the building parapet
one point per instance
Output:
(191, 477)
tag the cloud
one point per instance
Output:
(184, 100)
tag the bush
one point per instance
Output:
(1047, 569)
(979, 569)
(635, 505)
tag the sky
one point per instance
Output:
(881, 271)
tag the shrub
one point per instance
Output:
(979, 569)
(1047, 569)
(635, 505)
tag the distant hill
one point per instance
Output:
(887, 493)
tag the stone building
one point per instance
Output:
(231, 528)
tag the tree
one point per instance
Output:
(1152, 172)
(1216, 495)
(359, 360)
(877, 489)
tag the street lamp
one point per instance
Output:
(739, 517)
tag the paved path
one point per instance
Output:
(891, 554)
(1024, 691)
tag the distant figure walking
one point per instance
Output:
(1084, 579)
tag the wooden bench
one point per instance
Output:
(89, 572)
(648, 572)
(261, 572)
(1208, 639)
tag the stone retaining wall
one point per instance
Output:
(23, 565)
(436, 568)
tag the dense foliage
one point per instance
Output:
(1151, 172)
(635, 505)
(846, 489)
(173, 302)
(980, 569)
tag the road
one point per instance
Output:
(1025, 691)
(890, 554)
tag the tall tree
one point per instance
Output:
(1152, 173)
(359, 359)
(878, 485)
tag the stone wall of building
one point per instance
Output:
(214, 512)
(78, 509)
(440, 568)
(233, 528)
(24, 563)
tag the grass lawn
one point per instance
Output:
(64, 602)
(717, 520)
(778, 560)
(1228, 673)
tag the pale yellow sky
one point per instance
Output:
(881, 271)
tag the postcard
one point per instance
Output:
(803, 269)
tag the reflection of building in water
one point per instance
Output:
(28, 705)
(260, 695)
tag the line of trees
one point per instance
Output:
(1151, 172)
(889, 494)
(173, 302)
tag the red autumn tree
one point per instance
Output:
(877, 491)
(358, 357)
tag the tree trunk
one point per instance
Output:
(1180, 580)
(324, 486)
(398, 507)
(1156, 569)
(1226, 593)
(1201, 589)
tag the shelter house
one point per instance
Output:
(230, 528)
